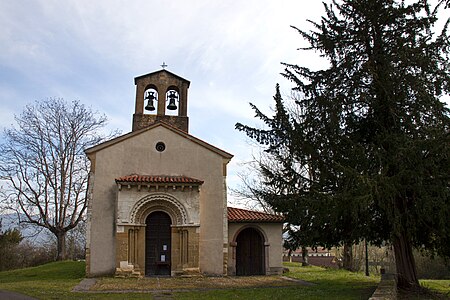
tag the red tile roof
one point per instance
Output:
(242, 215)
(158, 179)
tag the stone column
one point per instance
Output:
(266, 257)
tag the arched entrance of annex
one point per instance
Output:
(250, 252)
(158, 244)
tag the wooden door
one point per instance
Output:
(157, 244)
(250, 253)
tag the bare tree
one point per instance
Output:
(247, 192)
(43, 166)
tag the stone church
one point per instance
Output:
(157, 198)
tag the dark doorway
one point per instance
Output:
(157, 244)
(250, 253)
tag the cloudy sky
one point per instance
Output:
(92, 50)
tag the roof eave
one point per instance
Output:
(254, 221)
(159, 71)
(192, 138)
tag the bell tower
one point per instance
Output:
(161, 96)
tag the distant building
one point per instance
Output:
(158, 198)
(321, 257)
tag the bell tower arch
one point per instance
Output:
(161, 96)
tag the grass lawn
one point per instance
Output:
(442, 286)
(439, 288)
(197, 283)
(53, 281)
(56, 280)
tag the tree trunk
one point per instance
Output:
(405, 263)
(347, 260)
(61, 245)
(305, 257)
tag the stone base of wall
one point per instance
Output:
(275, 271)
(128, 270)
(131, 271)
(187, 272)
(128, 273)
(387, 288)
(88, 262)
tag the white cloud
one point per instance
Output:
(92, 50)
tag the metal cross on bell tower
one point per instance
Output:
(164, 66)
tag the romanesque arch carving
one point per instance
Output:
(162, 202)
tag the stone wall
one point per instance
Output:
(387, 288)
(142, 120)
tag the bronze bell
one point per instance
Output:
(172, 98)
(150, 97)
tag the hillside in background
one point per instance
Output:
(32, 234)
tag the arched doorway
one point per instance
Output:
(157, 244)
(250, 253)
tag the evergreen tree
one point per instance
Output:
(365, 151)
(9, 239)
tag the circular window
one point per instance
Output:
(160, 146)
